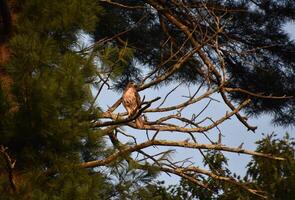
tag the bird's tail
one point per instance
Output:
(139, 122)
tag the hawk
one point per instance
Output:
(131, 101)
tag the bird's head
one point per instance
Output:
(131, 84)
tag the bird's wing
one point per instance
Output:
(138, 101)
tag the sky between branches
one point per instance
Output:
(234, 133)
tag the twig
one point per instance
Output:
(124, 6)
(10, 164)
(258, 95)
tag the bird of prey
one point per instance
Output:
(131, 101)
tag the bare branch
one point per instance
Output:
(184, 104)
(169, 94)
(198, 129)
(143, 145)
(226, 179)
(258, 95)
(124, 6)
(10, 164)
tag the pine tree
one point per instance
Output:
(49, 127)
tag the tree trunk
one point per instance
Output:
(8, 15)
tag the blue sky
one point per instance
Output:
(233, 131)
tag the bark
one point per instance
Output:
(7, 21)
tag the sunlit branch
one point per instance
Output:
(198, 129)
(128, 150)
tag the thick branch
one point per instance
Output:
(143, 145)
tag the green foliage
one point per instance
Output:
(115, 59)
(49, 83)
(155, 191)
(74, 184)
(50, 128)
(58, 19)
(50, 132)
(217, 163)
(274, 178)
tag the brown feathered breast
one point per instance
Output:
(131, 101)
